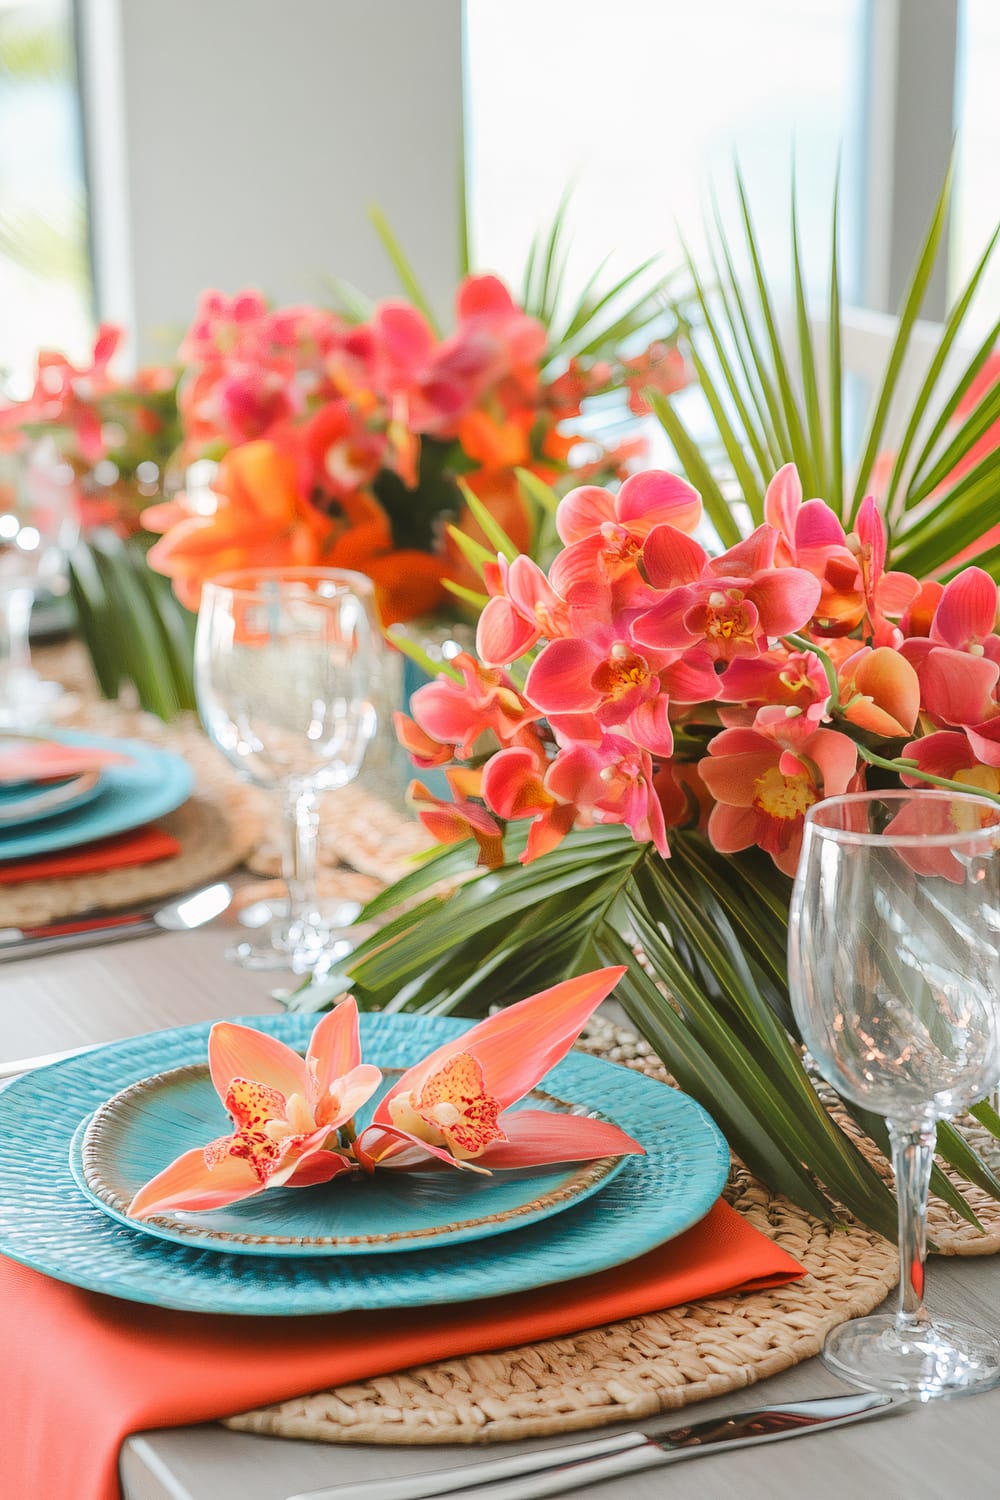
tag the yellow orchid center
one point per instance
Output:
(452, 1109)
(727, 617)
(623, 670)
(620, 552)
(783, 797)
(265, 1120)
(979, 778)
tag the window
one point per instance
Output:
(977, 194)
(642, 104)
(45, 291)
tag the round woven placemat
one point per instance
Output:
(624, 1371)
(217, 828)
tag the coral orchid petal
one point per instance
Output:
(334, 1047)
(518, 1046)
(240, 1052)
(189, 1183)
(536, 1136)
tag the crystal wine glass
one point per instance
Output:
(39, 522)
(285, 663)
(894, 968)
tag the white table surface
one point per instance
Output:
(940, 1451)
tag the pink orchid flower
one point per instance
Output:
(286, 1111)
(645, 500)
(514, 786)
(453, 1106)
(966, 616)
(739, 605)
(603, 673)
(611, 782)
(457, 713)
(523, 607)
(948, 753)
(794, 679)
(764, 779)
(451, 822)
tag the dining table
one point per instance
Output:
(939, 1450)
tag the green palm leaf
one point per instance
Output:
(717, 1011)
(765, 407)
(133, 626)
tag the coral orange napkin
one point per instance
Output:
(47, 760)
(141, 846)
(84, 1371)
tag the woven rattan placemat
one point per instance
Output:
(218, 827)
(624, 1371)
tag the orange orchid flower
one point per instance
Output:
(453, 1106)
(286, 1112)
(880, 692)
(262, 521)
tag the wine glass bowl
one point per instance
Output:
(39, 523)
(286, 664)
(894, 971)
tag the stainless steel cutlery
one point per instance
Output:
(550, 1471)
(95, 928)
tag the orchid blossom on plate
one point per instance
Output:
(286, 1112)
(454, 1105)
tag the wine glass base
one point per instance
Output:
(26, 699)
(940, 1359)
(273, 942)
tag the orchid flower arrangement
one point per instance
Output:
(648, 717)
(660, 685)
(294, 1118)
(355, 444)
(118, 433)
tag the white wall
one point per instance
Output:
(239, 142)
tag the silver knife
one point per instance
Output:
(96, 928)
(550, 1471)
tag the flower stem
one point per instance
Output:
(800, 643)
(910, 768)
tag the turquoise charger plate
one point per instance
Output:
(151, 783)
(47, 1223)
(141, 1131)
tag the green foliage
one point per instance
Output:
(768, 407)
(135, 629)
(709, 993)
(703, 934)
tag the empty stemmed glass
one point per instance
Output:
(894, 967)
(285, 667)
(39, 522)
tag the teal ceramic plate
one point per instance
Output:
(140, 1131)
(30, 801)
(46, 1222)
(149, 784)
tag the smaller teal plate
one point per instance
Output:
(151, 783)
(143, 1129)
(30, 801)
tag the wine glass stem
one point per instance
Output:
(302, 821)
(912, 1159)
(15, 619)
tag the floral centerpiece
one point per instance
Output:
(352, 436)
(645, 723)
(117, 433)
(356, 444)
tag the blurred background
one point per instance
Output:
(148, 150)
